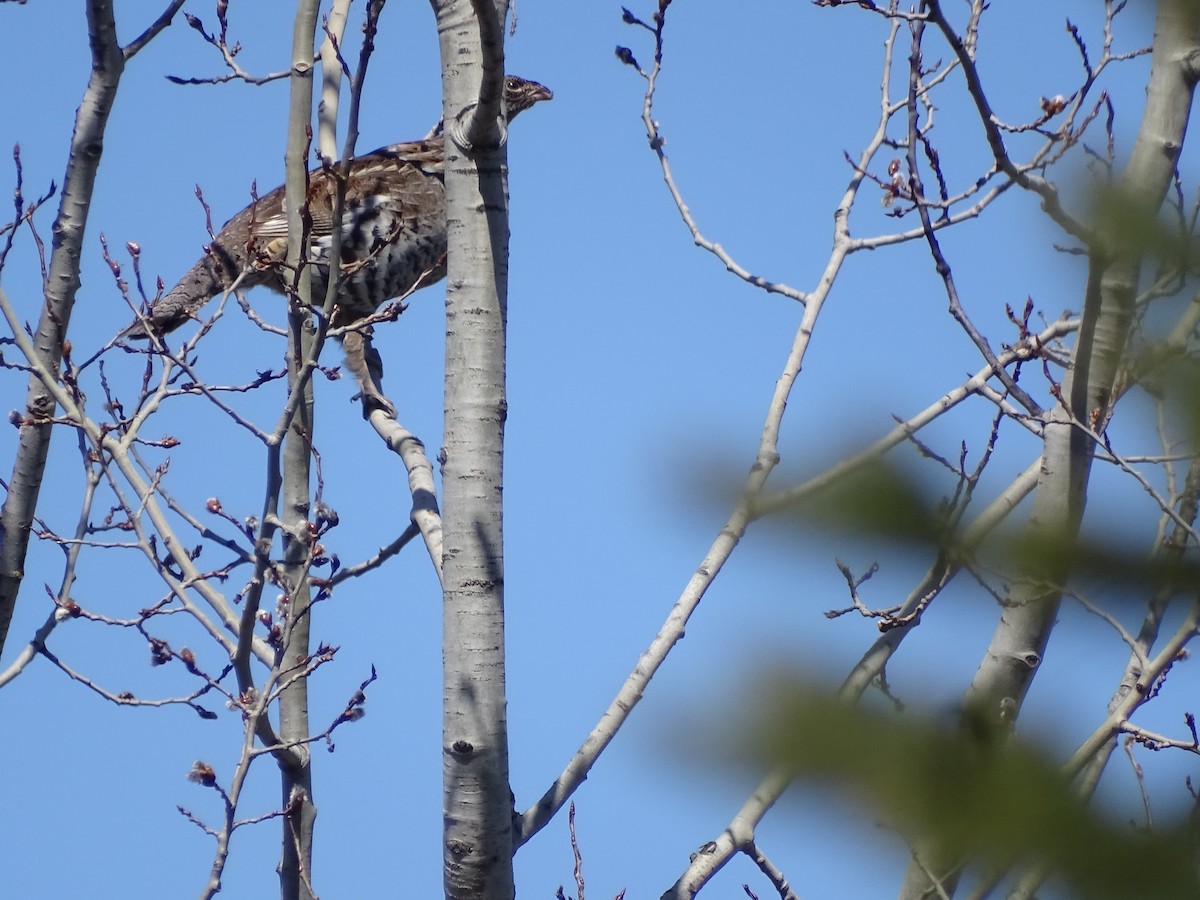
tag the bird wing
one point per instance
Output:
(395, 172)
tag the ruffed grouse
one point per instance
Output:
(393, 233)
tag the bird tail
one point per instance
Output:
(180, 304)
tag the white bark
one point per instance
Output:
(478, 808)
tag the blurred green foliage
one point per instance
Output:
(978, 792)
(879, 500)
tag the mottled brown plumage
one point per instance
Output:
(393, 236)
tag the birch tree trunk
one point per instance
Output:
(62, 283)
(295, 868)
(478, 808)
(1019, 641)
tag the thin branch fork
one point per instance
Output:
(1049, 194)
(657, 142)
(738, 837)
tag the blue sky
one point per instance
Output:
(639, 376)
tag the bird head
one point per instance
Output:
(520, 94)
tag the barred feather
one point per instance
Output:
(393, 232)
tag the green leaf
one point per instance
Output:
(981, 795)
